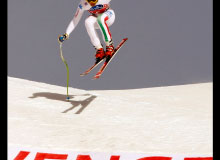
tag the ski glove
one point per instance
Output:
(63, 37)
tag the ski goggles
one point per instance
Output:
(92, 2)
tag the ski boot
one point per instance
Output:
(109, 51)
(100, 54)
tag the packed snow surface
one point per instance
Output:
(160, 120)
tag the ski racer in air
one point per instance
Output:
(101, 17)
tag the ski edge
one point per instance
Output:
(91, 68)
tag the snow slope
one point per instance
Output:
(161, 120)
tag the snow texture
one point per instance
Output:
(160, 120)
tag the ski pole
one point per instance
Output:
(67, 69)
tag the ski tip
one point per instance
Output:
(96, 77)
(83, 74)
(125, 39)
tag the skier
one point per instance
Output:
(101, 17)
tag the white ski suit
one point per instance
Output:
(102, 16)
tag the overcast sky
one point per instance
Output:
(169, 43)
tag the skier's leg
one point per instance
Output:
(90, 23)
(105, 20)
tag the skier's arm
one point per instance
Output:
(75, 20)
(72, 24)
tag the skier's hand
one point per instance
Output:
(63, 37)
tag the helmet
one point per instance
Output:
(92, 2)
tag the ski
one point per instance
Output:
(91, 68)
(108, 60)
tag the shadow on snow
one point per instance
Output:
(61, 97)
